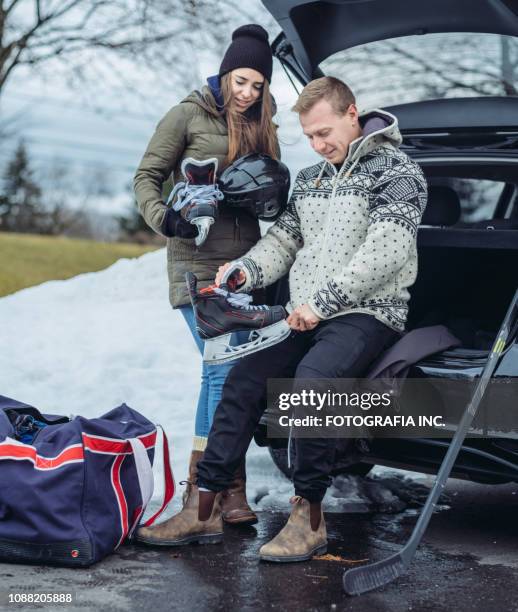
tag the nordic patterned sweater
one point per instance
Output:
(348, 236)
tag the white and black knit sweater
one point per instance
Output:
(348, 237)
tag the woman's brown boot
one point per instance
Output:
(234, 506)
(193, 472)
(199, 521)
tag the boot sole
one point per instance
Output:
(194, 539)
(245, 520)
(319, 550)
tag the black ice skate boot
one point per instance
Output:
(219, 312)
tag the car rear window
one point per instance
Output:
(432, 66)
(478, 198)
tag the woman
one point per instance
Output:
(229, 118)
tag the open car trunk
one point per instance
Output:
(466, 280)
(313, 30)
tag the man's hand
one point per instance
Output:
(238, 275)
(303, 318)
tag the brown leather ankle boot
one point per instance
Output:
(205, 504)
(234, 506)
(199, 521)
(193, 472)
(303, 536)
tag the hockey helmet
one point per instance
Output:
(257, 182)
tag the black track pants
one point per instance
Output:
(343, 347)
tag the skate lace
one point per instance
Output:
(187, 193)
(243, 301)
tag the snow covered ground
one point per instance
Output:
(85, 345)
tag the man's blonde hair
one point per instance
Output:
(329, 88)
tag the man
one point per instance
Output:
(348, 240)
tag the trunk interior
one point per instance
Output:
(466, 280)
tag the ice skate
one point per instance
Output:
(197, 197)
(219, 312)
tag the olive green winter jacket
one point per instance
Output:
(191, 129)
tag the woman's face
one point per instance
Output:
(247, 87)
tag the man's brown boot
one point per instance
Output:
(234, 506)
(303, 536)
(196, 456)
(198, 521)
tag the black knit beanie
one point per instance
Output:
(249, 49)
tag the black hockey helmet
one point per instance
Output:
(257, 182)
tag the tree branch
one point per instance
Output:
(10, 7)
(62, 28)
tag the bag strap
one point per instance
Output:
(169, 484)
(144, 477)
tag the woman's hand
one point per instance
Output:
(239, 275)
(303, 319)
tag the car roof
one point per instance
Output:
(317, 30)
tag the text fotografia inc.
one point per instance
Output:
(361, 421)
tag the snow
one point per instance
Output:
(87, 344)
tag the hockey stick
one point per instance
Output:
(368, 577)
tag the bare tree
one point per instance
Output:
(36, 33)
(20, 197)
(10, 125)
(59, 207)
(132, 226)
(68, 206)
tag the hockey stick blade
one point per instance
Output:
(365, 578)
(368, 577)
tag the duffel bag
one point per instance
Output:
(72, 490)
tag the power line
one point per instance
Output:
(41, 157)
(79, 148)
(62, 103)
(79, 145)
(124, 135)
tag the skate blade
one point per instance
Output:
(217, 350)
(203, 224)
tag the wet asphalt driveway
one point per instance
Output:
(469, 561)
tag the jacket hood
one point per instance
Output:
(378, 127)
(204, 99)
(214, 83)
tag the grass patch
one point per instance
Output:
(27, 259)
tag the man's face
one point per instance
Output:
(330, 134)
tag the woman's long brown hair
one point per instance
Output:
(253, 131)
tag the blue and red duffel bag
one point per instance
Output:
(72, 490)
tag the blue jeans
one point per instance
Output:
(212, 380)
